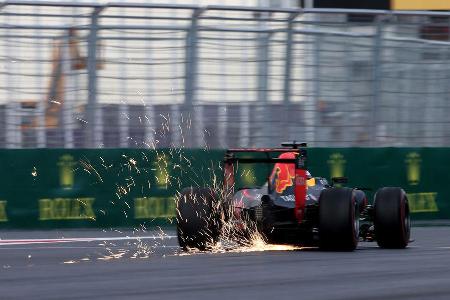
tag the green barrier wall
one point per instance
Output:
(48, 188)
(96, 188)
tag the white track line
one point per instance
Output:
(74, 240)
(44, 247)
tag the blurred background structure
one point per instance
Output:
(252, 73)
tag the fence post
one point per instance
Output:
(263, 66)
(446, 111)
(13, 133)
(376, 80)
(41, 138)
(310, 112)
(149, 104)
(191, 59)
(92, 79)
(287, 75)
(263, 108)
(67, 105)
(123, 114)
(288, 61)
(191, 78)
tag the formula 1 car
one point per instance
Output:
(292, 207)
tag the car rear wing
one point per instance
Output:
(244, 160)
(287, 147)
(232, 157)
(269, 150)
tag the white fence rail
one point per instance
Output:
(136, 75)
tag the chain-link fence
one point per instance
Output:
(146, 75)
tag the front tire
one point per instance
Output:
(391, 218)
(338, 219)
(199, 218)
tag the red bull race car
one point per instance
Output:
(292, 207)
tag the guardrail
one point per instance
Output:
(51, 188)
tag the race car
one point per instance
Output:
(292, 207)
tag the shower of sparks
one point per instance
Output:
(113, 255)
(81, 120)
(134, 249)
(169, 168)
(87, 167)
(70, 262)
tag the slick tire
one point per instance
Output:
(338, 219)
(199, 219)
(391, 218)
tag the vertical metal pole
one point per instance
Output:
(244, 132)
(222, 108)
(77, 92)
(175, 126)
(263, 67)
(92, 79)
(40, 108)
(222, 116)
(403, 105)
(287, 76)
(175, 107)
(9, 112)
(442, 101)
(445, 142)
(99, 128)
(191, 78)
(351, 134)
(310, 112)
(150, 123)
(307, 67)
(244, 138)
(124, 118)
(148, 102)
(376, 91)
(288, 60)
(191, 59)
(13, 118)
(446, 110)
(263, 108)
(66, 115)
(187, 106)
(199, 126)
(2, 77)
(428, 116)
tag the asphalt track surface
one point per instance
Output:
(93, 264)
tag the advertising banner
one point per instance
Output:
(52, 188)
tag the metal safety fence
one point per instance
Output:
(90, 75)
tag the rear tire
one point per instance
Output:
(199, 218)
(338, 219)
(391, 218)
